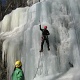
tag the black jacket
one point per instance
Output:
(45, 32)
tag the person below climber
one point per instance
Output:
(45, 34)
(18, 73)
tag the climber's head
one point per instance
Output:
(45, 27)
(18, 64)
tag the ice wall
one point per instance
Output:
(21, 38)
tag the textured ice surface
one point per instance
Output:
(21, 37)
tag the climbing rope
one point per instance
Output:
(38, 66)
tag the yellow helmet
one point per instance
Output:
(18, 64)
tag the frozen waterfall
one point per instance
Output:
(21, 37)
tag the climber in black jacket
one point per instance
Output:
(45, 34)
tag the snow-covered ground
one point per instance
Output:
(21, 37)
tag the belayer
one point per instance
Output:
(18, 73)
(44, 37)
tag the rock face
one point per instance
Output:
(3, 72)
(3, 69)
(21, 38)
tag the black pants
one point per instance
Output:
(42, 43)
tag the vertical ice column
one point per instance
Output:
(76, 28)
(35, 12)
(7, 20)
(64, 48)
(44, 14)
(74, 48)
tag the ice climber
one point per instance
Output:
(44, 37)
(18, 73)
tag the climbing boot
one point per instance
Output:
(41, 51)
